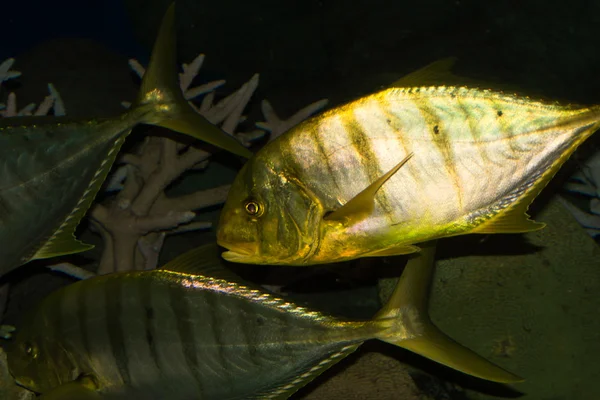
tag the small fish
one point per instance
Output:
(52, 168)
(405, 165)
(194, 330)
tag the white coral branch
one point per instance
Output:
(277, 126)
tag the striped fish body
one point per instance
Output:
(49, 174)
(478, 159)
(161, 334)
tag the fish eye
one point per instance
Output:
(30, 350)
(253, 208)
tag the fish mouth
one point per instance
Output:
(234, 256)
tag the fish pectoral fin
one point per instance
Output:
(393, 251)
(361, 206)
(76, 390)
(60, 245)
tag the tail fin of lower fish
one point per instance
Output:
(169, 108)
(410, 326)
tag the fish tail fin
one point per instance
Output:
(160, 92)
(405, 323)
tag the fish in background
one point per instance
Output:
(195, 330)
(52, 168)
(411, 163)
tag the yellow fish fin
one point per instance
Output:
(439, 73)
(361, 206)
(405, 323)
(160, 87)
(515, 218)
(436, 73)
(393, 251)
(81, 389)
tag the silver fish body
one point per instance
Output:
(182, 335)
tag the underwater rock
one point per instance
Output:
(527, 302)
(371, 376)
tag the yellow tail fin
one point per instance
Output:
(169, 108)
(408, 325)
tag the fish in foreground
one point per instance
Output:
(407, 164)
(52, 168)
(195, 330)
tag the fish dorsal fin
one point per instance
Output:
(361, 205)
(285, 389)
(160, 80)
(63, 240)
(439, 73)
(436, 73)
(203, 260)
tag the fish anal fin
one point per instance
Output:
(361, 206)
(63, 241)
(514, 219)
(512, 222)
(62, 245)
(393, 251)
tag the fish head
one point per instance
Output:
(269, 216)
(38, 361)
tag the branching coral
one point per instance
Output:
(586, 182)
(135, 221)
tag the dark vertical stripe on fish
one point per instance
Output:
(113, 292)
(145, 288)
(316, 136)
(440, 115)
(82, 317)
(179, 304)
(214, 324)
(361, 142)
(248, 323)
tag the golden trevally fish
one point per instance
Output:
(193, 330)
(399, 167)
(52, 168)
